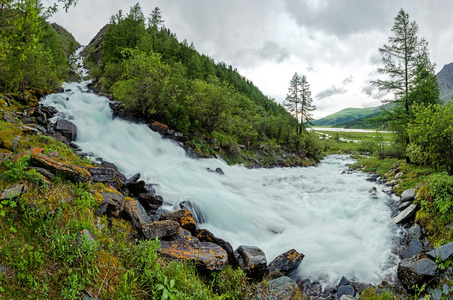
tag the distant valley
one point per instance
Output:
(360, 117)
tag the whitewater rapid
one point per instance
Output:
(328, 216)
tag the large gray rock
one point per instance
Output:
(207, 256)
(404, 205)
(252, 261)
(415, 270)
(283, 287)
(160, 229)
(345, 290)
(137, 214)
(205, 235)
(405, 215)
(67, 129)
(414, 248)
(408, 195)
(443, 252)
(286, 263)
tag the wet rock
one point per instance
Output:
(195, 210)
(283, 287)
(206, 256)
(414, 248)
(415, 270)
(70, 172)
(150, 201)
(218, 171)
(205, 235)
(286, 263)
(405, 215)
(136, 188)
(408, 195)
(133, 179)
(67, 129)
(252, 261)
(183, 217)
(372, 178)
(158, 127)
(388, 190)
(443, 252)
(179, 137)
(310, 289)
(415, 233)
(345, 290)
(13, 192)
(343, 281)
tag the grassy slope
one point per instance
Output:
(344, 116)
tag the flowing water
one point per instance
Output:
(328, 216)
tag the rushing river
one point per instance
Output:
(326, 215)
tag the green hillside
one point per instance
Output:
(345, 116)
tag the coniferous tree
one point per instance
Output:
(299, 102)
(155, 19)
(408, 68)
(292, 101)
(306, 102)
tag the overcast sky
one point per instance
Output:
(334, 43)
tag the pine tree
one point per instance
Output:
(292, 101)
(155, 20)
(408, 69)
(299, 102)
(306, 103)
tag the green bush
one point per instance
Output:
(441, 190)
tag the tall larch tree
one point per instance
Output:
(406, 64)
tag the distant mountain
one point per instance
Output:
(346, 116)
(445, 80)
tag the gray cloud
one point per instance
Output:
(348, 79)
(373, 92)
(342, 17)
(273, 52)
(333, 90)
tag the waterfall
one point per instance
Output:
(326, 215)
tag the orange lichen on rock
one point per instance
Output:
(207, 256)
(70, 172)
(184, 218)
